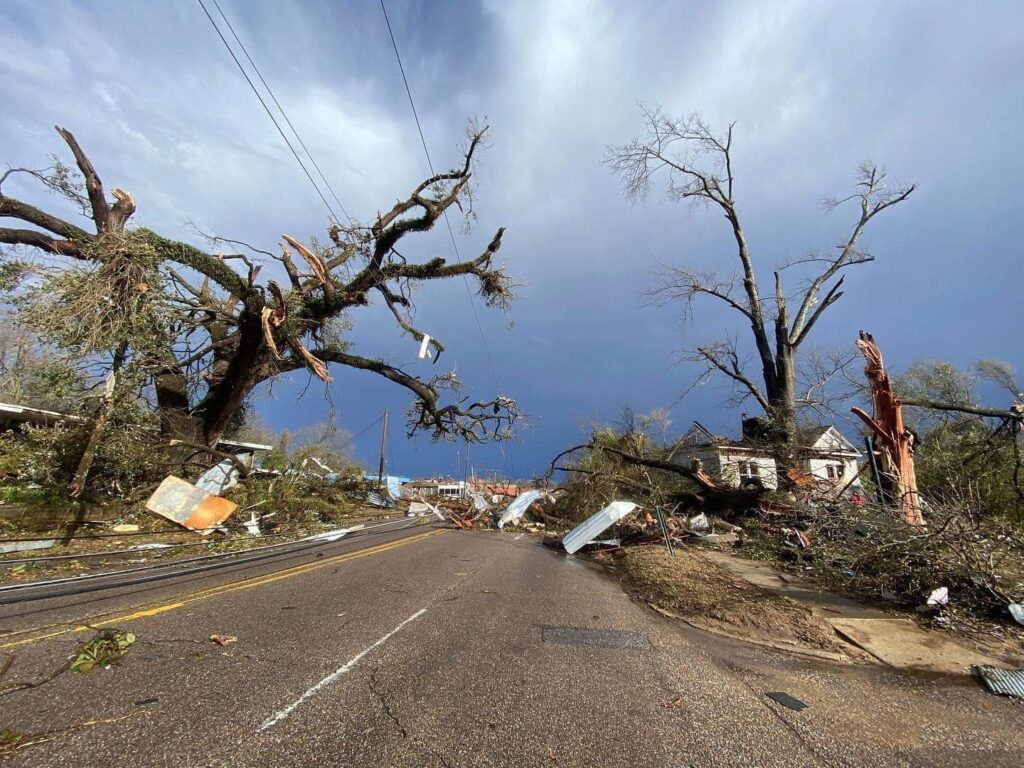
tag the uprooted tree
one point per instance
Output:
(698, 166)
(199, 332)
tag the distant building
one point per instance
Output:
(827, 458)
(495, 492)
(442, 487)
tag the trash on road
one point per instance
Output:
(699, 523)
(223, 640)
(939, 597)
(106, 648)
(786, 700)
(188, 506)
(596, 524)
(518, 507)
(1003, 682)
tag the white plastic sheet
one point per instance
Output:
(596, 524)
(518, 507)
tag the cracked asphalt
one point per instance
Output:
(425, 647)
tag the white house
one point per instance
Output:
(447, 489)
(827, 457)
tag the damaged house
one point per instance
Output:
(828, 459)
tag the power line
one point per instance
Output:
(267, 110)
(283, 113)
(447, 221)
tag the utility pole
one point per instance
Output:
(383, 445)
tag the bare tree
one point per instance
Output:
(698, 166)
(222, 332)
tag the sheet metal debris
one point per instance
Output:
(596, 524)
(333, 535)
(189, 506)
(786, 700)
(222, 476)
(518, 507)
(1004, 682)
(380, 500)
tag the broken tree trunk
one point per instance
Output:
(895, 441)
(98, 425)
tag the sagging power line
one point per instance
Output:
(266, 108)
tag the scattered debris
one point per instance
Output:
(1003, 682)
(125, 528)
(596, 524)
(105, 649)
(380, 500)
(146, 702)
(189, 506)
(518, 507)
(939, 597)
(333, 535)
(223, 640)
(786, 700)
(221, 477)
(699, 523)
(1017, 611)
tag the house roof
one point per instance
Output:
(819, 439)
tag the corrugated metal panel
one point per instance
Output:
(1005, 682)
(595, 525)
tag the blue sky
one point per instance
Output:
(932, 90)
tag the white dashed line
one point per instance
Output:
(349, 665)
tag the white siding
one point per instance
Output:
(731, 462)
(846, 467)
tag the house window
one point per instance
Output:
(748, 470)
(833, 471)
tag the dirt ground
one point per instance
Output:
(694, 588)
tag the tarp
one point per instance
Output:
(596, 524)
(518, 507)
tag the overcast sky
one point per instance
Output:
(931, 90)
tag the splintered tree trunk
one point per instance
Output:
(99, 424)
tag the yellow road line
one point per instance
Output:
(248, 583)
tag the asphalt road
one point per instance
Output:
(431, 647)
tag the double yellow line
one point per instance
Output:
(249, 583)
